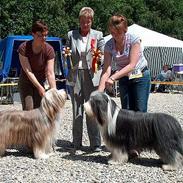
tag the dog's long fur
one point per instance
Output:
(125, 130)
(35, 128)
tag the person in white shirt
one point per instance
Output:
(82, 78)
(164, 75)
(125, 51)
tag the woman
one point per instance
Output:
(124, 51)
(37, 62)
(82, 79)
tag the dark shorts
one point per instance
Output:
(29, 94)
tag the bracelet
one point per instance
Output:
(112, 79)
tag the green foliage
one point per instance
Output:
(165, 16)
(17, 16)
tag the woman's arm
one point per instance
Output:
(106, 72)
(27, 69)
(50, 74)
(134, 57)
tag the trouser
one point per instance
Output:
(134, 93)
(80, 93)
(29, 94)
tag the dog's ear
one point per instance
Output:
(99, 108)
(52, 102)
(46, 106)
(100, 118)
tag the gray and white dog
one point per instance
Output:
(125, 130)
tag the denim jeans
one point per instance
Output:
(134, 93)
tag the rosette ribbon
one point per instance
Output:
(96, 54)
(96, 59)
(67, 57)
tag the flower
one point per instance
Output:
(66, 51)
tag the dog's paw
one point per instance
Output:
(113, 162)
(168, 167)
(42, 156)
(116, 162)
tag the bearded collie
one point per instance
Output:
(36, 128)
(125, 130)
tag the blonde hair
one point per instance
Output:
(119, 22)
(86, 12)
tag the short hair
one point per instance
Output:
(166, 66)
(39, 26)
(86, 12)
(119, 22)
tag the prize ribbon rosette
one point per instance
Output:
(96, 54)
(67, 57)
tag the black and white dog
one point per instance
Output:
(125, 130)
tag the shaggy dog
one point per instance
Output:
(125, 130)
(36, 128)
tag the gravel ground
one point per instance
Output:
(84, 166)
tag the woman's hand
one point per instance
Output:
(109, 84)
(41, 91)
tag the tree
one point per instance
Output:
(16, 16)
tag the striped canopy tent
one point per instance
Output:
(159, 49)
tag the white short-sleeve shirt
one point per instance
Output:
(122, 59)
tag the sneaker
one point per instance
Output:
(74, 147)
(96, 149)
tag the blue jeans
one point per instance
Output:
(134, 93)
(160, 77)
